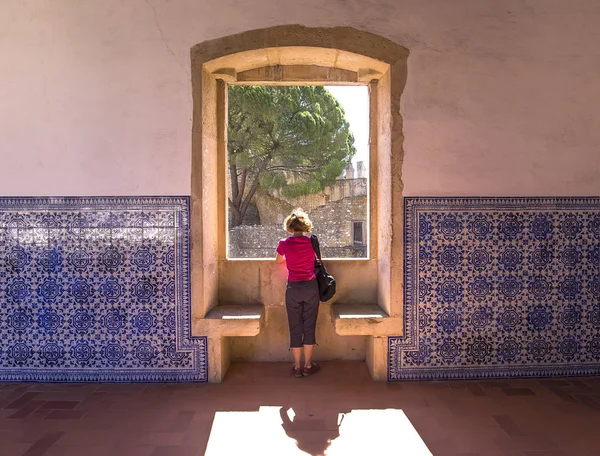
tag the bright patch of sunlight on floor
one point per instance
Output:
(378, 432)
(361, 432)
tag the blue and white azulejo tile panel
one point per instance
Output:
(96, 289)
(499, 287)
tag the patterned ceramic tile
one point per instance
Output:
(499, 287)
(96, 289)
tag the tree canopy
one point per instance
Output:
(290, 138)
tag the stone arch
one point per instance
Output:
(294, 54)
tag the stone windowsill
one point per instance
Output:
(232, 320)
(363, 320)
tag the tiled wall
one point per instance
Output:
(96, 289)
(499, 287)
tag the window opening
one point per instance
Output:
(297, 146)
(358, 234)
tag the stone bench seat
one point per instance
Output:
(232, 320)
(363, 320)
(220, 324)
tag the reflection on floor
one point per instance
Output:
(284, 415)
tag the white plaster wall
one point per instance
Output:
(503, 97)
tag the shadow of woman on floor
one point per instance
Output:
(312, 432)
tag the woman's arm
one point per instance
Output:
(279, 258)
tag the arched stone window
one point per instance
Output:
(228, 296)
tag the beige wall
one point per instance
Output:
(503, 98)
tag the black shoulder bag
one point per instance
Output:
(324, 279)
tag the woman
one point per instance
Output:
(302, 291)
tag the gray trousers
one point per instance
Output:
(302, 305)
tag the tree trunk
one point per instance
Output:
(235, 216)
(238, 204)
(237, 195)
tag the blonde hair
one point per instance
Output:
(298, 221)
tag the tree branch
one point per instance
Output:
(244, 176)
(233, 177)
(248, 197)
(253, 188)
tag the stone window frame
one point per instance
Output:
(295, 55)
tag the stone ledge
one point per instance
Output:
(231, 320)
(363, 320)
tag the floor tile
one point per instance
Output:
(44, 443)
(513, 417)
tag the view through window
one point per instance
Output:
(297, 146)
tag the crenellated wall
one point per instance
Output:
(332, 224)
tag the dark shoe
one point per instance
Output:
(309, 370)
(297, 371)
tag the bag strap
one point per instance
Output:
(314, 240)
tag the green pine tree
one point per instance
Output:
(291, 138)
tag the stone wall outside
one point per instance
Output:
(332, 224)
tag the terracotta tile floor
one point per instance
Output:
(524, 417)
